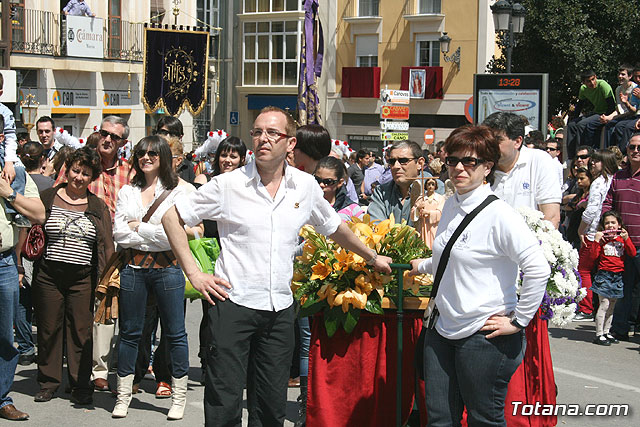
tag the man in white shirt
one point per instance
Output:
(259, 209)
(522, 177)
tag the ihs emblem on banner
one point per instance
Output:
(179, 71)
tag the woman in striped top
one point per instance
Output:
(78, 230)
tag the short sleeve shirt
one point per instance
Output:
(597, 96)
(532, 181)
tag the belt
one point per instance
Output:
(6, 253)
(151, 259)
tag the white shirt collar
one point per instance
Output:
(469, 201)
(252, 172)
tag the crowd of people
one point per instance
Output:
(93, 202)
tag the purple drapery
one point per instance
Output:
(310, 66)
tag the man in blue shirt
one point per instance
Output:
(77, 8)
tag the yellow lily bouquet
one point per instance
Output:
(339, 282)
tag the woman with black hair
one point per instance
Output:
(331, 175)
(150, 267)
(78, 244)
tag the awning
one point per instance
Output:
(258, 102)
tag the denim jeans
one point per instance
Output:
(22, 321)
(8, 303)
(167, 284)
(305, 342)
(472, 372)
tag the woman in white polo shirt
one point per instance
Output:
(477, 342)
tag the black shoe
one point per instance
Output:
(601, 340)
(611, 339)
(81, 398)
(44, 395)
(619, 336)
(26, 359)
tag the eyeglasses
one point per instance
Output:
(633, 147)
(550, 149)
(402, 160)
(272, 134)
(325, 181)
(466, 161)
(114, 137)
(164, 132)
(583, 156)
(151, 153)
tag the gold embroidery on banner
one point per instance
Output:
(179, 71)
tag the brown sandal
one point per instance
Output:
(163, 391)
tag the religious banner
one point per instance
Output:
(175, 70)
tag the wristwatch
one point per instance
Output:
(12, 197)
(515, 323)
(373, 258)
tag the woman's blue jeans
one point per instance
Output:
(168, 286)
(472, 372)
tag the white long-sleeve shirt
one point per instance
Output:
(480, 278)
(259, 233)
(591, 215)
(150, 236)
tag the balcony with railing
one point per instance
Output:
(362, 10)
(423, 10)
(41, 32)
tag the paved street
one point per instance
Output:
(585, 374)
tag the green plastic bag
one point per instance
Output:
(205, 252)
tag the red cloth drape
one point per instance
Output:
(432, 84)
(360, 82)
(352, 377)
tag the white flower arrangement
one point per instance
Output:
(564, 289)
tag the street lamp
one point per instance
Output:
(445, 42)
(508, 15)
(29, 107)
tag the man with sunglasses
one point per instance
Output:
(623, 197)
(259, 209)
(406, 163)
(551, 146)
(114, 132)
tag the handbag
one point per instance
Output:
(108, 288)
(431, 312)
(33, 246)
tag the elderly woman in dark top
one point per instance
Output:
(78, 230)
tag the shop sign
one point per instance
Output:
(85, 37)
(116, 98)
(394, 112)
(394, 136)
(71, 98)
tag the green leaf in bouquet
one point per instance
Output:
(331, 320)
(351, 319)
(374, 304)
(311, 309)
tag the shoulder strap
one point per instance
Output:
(155, 205)
(444, 259)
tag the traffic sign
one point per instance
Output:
(391, 96)
(394, 112)
(429, 136)
(394, 136)
(384, 125)
(234, 118)
(468, 109)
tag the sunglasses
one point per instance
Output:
(583, 156)
(466, 161)
(325, 181)
(633, 147)
(151, 153)
(114, 137)
(164, 132)
(550, 149)
(402, 160)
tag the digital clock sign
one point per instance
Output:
(523, 94)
